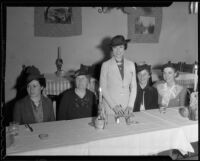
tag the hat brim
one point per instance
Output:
(120, 43)
(34, 77)
(141, 68)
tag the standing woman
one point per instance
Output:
(118, 80)
(170, 93)
(34, 107)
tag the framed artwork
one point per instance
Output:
(57, 21)
(144, 24)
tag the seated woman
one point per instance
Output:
(78, 102)
(34, 107)
(170, 93)
(147, 96)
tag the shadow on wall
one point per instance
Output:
(105, 48)
(20, 87)
(21, 92)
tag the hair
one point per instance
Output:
(175, 70)
(146, 70)
(42, 81)
(125, 46)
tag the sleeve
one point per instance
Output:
(133, 87)
(182, 96)
(155, 98)
(62, 108)
(94, 105)
(103, 85)
(51, 111)
(159, 98)
(17, 113)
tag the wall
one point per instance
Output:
(178, 41)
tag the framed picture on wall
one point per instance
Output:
(144, 24)
(57, 21)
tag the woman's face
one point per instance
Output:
(143, 77)
(169, 74)
(118, 52)
(81, 82)
(34, 89)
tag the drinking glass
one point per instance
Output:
(13, 128)
(163, 109)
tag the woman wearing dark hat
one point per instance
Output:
(34, 107)
(78, 102)
(147, 96)
(118, 80)
(170, 93)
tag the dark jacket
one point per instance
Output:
(150, 98)
(23, 112)
(73, 107)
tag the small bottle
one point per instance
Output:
(117, 119)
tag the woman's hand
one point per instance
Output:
(118, 110)
(128, 110)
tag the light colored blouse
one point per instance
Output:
(171, 96)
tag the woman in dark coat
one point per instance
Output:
(78, 102)
(147, 96)
(34, 108)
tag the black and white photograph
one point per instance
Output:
(99, 81)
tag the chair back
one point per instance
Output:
(186, 79)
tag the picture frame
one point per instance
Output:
(144, 24)
(57, 21)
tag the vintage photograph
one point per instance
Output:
(100, 81)
(57, 21)
(57, 15)
(144, 25)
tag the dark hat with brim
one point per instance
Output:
(34, 74)
(139, 68)
(119, 40)
(84, 70)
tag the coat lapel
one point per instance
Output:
(44, 109)
(29, 105)
(125, 69)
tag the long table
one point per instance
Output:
(154, 132)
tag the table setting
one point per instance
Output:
(143, 136)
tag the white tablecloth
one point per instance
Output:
(189, 127)
(153, 133)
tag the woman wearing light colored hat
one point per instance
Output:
(118, 80)
(34, 107)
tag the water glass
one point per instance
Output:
(13, 128)
(163, 109)
(99, 123)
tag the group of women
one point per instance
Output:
(125, 89)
